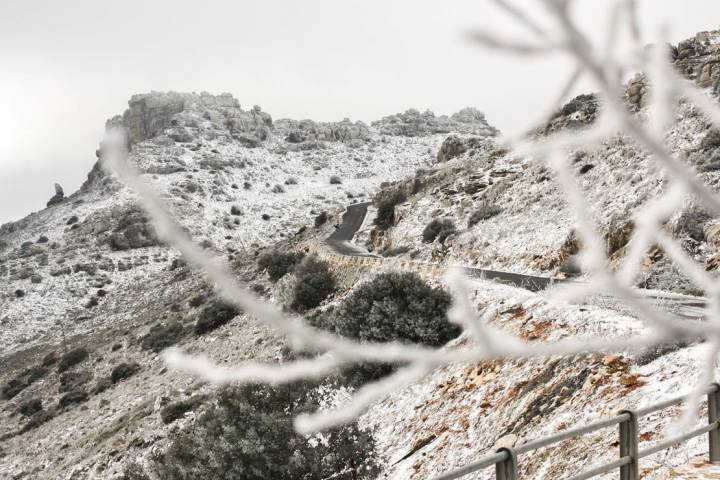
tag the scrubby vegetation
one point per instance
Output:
(321, 219)
(385, 202)
(72, 397)
(214, 315)
(483, 212)
(161, 336)
(74, 380)
(313, 283)
(30, 407)
(278, 264)
(335, 180)
(124, 371)
(16, 385)
(72, 358)
(171, 412)
(249, 434)
(438, 229)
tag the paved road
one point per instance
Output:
(340, 242)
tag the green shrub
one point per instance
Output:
(72, 358)
(438, 229)
(74, 396)
(198, 300)
(30, 407)
(22, 381)
(123, 371)
(49, 359)
(102, 385)
(691, 223)
(483, 212)
(74, 380)
(249, 435)
(321, 219)
(13, 387)
(278, 264)
(161, 336)
(175, 410)
(396, 307)
(385, 201)
(37, 419)
(313, 283)
(711, 139)
(214, 315)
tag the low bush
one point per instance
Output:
(483, 212)
(278, 264)
(161, 336)
(313, 283)
(74, 380)
(49, 359)
(13, 387)
(278, 188)
(37, 419)
(124, 371)
(438, 229)
(102, 385)
(385, 202)
(213, 316)
(249, 434)
(335, 180)
(396, 307)
(691, 223)
(176, 410)
(711, 139)
(321, 219)
(72, 397)
(291, 181)
(30, 407)
(72, 358)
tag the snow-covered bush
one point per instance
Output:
(396, 307)
(249, 434)
(482, 213)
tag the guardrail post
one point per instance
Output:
(507, 469)
(629, 446)
(713, 402)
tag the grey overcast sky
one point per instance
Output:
(67, 66)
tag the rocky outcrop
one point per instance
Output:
(412, 123)
(302, 131)
(58, 197)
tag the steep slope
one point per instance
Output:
(509, 214)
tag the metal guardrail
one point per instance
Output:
(506, 459)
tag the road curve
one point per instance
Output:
(340, 242)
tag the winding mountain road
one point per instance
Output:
(340, 242)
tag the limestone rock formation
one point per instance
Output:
(58, 197)
(412, 123)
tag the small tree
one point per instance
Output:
(213, 316)
(385, 201)
(278, 264)
(313, 283)
(438, 229)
